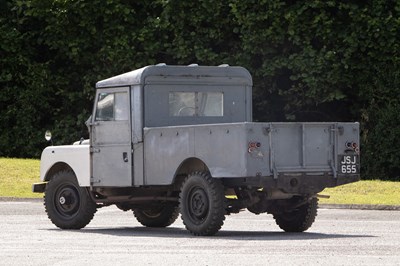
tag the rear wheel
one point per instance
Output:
(68, 205)
(162, 216)
(298, 219)
(202, 203)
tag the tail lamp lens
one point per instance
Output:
(254, 145)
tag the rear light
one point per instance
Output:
(352, 145)
(253, 145)
(254, 149)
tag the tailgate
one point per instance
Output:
(314, 148)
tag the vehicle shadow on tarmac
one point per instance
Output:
(174, 232)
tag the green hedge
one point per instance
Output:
(310, 60)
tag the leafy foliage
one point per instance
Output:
(310, 60)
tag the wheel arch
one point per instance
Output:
(63, 166)
(57, 167)
(188, 166)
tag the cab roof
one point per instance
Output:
(161, 72)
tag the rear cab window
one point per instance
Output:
(196, 104)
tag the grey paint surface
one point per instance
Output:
(156, 81)
(338, 237)
(111, 154)
(149, 88)
(159, 143)
(160, 73)
(295, 148)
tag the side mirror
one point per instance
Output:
(47, 136)
(88, 122)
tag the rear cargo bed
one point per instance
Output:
(251, 149)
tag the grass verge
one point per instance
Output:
(17, 176)
(374, 192)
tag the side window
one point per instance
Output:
(112, 107)
(196, 104)
(121, 106)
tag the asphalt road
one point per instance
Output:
(114, 237)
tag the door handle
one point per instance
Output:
(125, 156)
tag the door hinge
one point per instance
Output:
(93, 124)
(93, 181)
(332, 165)
(339, 129)
(94, 150)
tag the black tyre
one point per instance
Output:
(162, 216)
(299, 219)
(68, 205)
(202, 203)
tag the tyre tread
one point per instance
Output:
(217, 215)
(86, 211)
(168, 217)
(306, 215)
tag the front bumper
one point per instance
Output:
(39, 187)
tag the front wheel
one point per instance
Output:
(161, 216)
(68, 205)
(298, 219)
(202, 203)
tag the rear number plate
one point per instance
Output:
(349, 164)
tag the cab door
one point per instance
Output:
(110, 140)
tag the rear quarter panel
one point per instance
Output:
(222, 147)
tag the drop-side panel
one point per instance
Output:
(251, 149)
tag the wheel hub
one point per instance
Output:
(199, 203)
(67, 200)
(62, 200)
